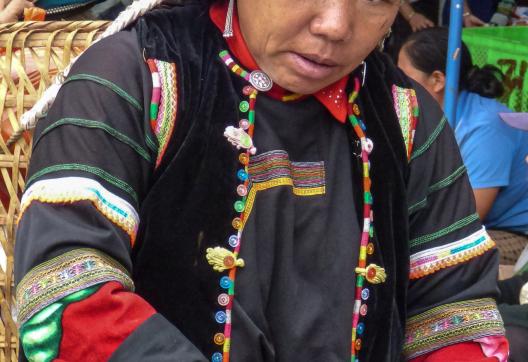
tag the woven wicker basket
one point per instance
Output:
(31, 53)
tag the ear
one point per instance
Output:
(438, 81)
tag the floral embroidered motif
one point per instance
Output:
(64, 275)
(74, 189)
(432, 260)
(406, 106)
(451, 323)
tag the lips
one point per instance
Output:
(315, 58)
(312, 66)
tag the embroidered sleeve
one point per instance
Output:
(453, 261)
(92, 162)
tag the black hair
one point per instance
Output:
(427, 51)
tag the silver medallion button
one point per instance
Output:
(261, 81)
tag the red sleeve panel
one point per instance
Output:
(95, 327)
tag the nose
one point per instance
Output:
(333, 20)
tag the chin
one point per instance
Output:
(302, 86)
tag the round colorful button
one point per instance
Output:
(243, 106)
(239, 206)
(219, 339)
(355, 109)
(220, 317)
(242, 175)
(237, 223)
(370, 249)
(223, 299)
(243, 158)
(360, 328)
(365, 294)
(244, 124)
(225, 282)
(242, 190)
(248, 90)
(233, 241)
(358, 344)
(363, 310)
(217, 357)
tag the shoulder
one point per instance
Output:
(114, 62)
(118, 53)
(167, 33)
(432, 131)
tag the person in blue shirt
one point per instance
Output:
(495, 154)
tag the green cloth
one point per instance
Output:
(507, 49)
(41, 335)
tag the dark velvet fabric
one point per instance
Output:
(169, 253)
(169, 345)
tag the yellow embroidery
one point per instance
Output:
(222, 259)
(283, 181)
(373, 273)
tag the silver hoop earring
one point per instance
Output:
(381, 44)
(364, 73)
(228, 28)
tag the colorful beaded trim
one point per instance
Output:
(64, 275)
(407, 110)
(451, 323)
(432, 260)
(164, 103)
(371, 273)
(221, 258)
(235, 68)
(68, 190)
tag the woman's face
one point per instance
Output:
(306, 45)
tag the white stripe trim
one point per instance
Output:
(73, 189)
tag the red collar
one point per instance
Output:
(333, 97)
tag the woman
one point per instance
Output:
(233, 182)
(494, 153)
